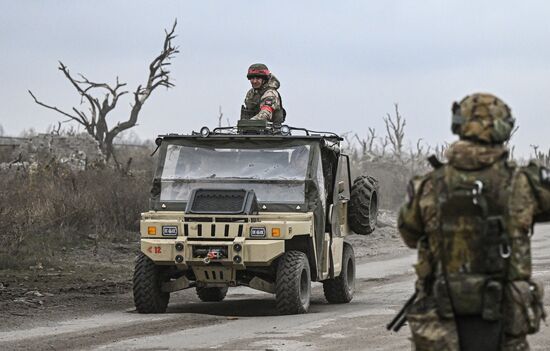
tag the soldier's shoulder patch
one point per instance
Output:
(269, 100)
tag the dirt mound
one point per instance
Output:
(383, 241)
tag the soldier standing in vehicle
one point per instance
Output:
(263, 101)
(471, 220)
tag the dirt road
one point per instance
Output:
(247, 319)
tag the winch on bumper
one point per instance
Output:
(215, 263)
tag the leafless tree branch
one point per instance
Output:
(220, 116)
(95, 119)
(395, 131)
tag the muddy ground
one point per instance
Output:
(62, 308)
(96, 279)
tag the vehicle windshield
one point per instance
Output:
(275, 174)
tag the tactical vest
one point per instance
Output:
(252, 106)
(472, 239)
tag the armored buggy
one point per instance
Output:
(255, 205)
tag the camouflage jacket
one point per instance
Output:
(264, 103)
(520, 198)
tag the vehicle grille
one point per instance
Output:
(217, 230)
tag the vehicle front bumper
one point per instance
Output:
(241, 252)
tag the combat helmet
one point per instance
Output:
(258, 70)
(482, 117)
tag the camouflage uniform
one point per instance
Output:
(265, 102)
(471, 221)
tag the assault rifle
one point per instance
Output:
(399, 320)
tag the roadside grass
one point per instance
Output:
(50, 208)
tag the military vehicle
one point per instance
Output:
(256, 205)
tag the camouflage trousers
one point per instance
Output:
(432, 333)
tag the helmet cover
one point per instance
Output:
(482, 117)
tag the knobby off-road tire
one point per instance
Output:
(342, 288)
(363, 205)
(214, 294)
(293, 283)
(148, 279)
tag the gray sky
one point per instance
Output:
(342, 64)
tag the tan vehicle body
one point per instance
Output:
(253, 207)
(254, 251)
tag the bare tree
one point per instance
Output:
(535, 149)
(383, 144)
(395, 130)
(363, 143)
(371, 137)
(220, 116)
(419, 153)
(1, 130)
(95, 119)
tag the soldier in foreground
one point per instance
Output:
(263, 101)
(471, 220)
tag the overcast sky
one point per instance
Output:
(342, 64)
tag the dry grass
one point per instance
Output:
(50, 208)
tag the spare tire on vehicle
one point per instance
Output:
(363, 205)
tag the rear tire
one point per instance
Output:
(363, 205)
(214, 294)
(293, 283)
(342, 288)
(147, 286)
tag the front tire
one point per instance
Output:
(214, 294)
(342, 288)
(293, 283)
(147, 286)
